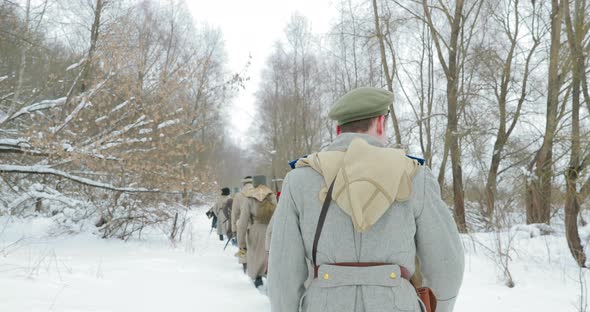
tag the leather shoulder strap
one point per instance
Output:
(321, 220)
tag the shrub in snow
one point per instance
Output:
(128, 215)
(532, 230)
(116, 214)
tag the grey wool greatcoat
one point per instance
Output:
(223, 223)
(421, 226)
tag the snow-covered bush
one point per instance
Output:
(130, 215)
(115, 214)
(532, 230)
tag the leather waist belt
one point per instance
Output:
(403, 271)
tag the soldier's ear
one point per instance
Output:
(381, 125)
(338, 130)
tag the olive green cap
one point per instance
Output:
(361, 103)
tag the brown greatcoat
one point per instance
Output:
(240, 200)
(252, 230)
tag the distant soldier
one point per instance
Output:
(220, 206)
(240, 200)
(252, 225)
(358, 214)
(226, 211)
(211, 215)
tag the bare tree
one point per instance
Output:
(23, 56)
(291, 99)
(538, 196)
(420, 75)
(389, 74)
(504, 83)
(97, 11)
(577, 32)
(452, 69)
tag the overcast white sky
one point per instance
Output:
(250, 27)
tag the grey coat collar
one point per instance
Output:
(342, 141)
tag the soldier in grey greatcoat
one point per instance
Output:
(385, 211)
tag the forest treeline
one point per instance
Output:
(120, 107)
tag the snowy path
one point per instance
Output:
(87, 274)
(83, 273)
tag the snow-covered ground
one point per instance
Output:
(545, 275)
(86, 273)
(82, 272)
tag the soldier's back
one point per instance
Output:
(421, 225)
(390, 240)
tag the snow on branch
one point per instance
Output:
(72, 149)
(6, 96)
(83, 103)
(14, 143)
(76, 65)
(47, 170)
(43, 105)
(19, 146)
(140, 122)
(126, 141)
(22, 146)
(168, 123)
(117, 108)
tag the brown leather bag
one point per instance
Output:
(428, 298)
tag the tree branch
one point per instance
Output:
(43, 105)
(81, 180)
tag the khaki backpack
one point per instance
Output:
(265, 210)
(265, 203)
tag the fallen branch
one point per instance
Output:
(47, 104)
(81, 180)
(21, 146)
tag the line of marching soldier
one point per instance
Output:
(244, 219)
